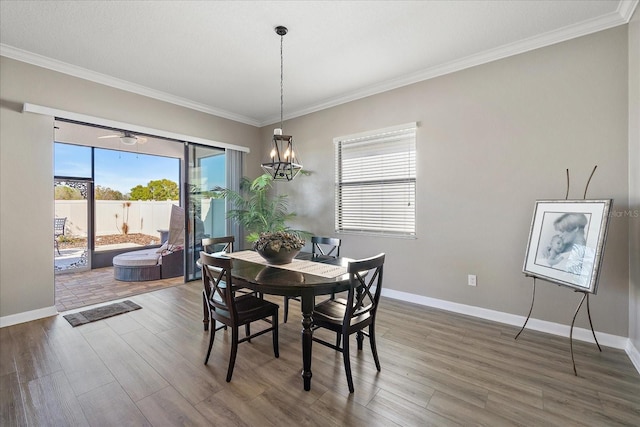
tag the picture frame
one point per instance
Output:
(566, 242)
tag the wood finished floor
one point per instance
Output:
(438, 368)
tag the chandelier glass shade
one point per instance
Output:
(282, 163)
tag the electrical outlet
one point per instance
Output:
(471, 280)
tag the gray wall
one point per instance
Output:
(491, 140)
(26, 165)
(634, 180)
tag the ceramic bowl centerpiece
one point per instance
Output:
(279, 247)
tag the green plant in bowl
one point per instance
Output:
(278, 247)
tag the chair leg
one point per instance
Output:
(274, 333)
(55, 241)
(247, 331)
(372, 341)
(359, 339)
(286, 309)
(205, 312)
(338, 338)
(212, 335)
(234, 352)
(347, 363)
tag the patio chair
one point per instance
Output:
(58, 230)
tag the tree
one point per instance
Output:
(140, 192)
(106, 193)
(64, 192)
(160, 189)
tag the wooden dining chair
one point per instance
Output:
(320, 246)
(357, 312)
(211, 245)
(231, 310)
(328, 246)
(218, 244)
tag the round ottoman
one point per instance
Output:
(137, 266)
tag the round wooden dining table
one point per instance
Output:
(272, 280)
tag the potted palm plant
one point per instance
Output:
(264, 218)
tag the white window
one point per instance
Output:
(376, 182)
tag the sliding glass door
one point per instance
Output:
(206, 217)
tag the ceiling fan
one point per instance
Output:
(127, 138)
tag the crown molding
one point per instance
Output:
(83, 73)
(626, 9)
(620, 17)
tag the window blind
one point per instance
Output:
(376, 182)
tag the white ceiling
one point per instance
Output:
(223, 57)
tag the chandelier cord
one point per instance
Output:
(282, 163)
(281, 81)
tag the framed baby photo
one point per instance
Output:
(566, 242)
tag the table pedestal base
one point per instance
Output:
(307, 302)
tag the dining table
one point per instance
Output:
(306, 277)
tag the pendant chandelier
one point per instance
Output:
(282, 164)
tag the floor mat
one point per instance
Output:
(99, 313)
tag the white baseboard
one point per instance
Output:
(28, 316)
(580, 334)
(634, 355)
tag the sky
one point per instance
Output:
(122, 171)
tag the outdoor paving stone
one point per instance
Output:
(75, 290)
